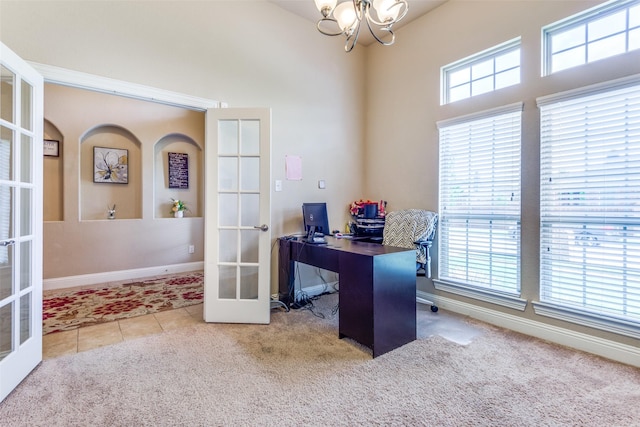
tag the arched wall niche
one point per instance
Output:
(163, 194)
(53, 176)
(97, 197)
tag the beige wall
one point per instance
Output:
(404, 105)
(244, 53)
(253, 54)
(81, 120)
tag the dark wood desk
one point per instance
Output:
(377, 288)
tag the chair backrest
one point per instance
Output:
(405, 227)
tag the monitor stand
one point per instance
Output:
(315, 238)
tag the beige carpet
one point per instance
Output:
(297, 372)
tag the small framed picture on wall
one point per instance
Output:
(110, 165)
(51, 148)
(178, 170)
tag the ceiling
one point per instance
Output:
(307, 10)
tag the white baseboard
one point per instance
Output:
(623, 353)
(115, 276)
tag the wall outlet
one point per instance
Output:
(192, 249)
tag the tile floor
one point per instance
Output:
(89, 337)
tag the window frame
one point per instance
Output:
(577, 21)
(485, 292)
(550, 307)
(492, 53)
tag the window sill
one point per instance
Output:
(487, 295)
(584, 318)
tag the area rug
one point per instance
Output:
(68, 310)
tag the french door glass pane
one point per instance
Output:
(250, 207)
(6, 153)
(228, 137)
(227, 282)
(25, 211)
(250, 144)
(25, 155)
(228, 209)
(6, 330)
(249, 282)
(7, 83)
(25, 264)
(250, 179)
(6, 271)
(228, 246)
(25, 317)
(228, 174)
(6, 200)
(249, 243)
(27, 109)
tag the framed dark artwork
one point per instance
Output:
(51, 148)
(110, 165)
(178, 170)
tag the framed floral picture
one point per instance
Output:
(110, 165)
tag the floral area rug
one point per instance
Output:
(66, 310)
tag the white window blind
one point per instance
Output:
(479, 240)
(590, 201)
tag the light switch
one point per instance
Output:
(278, 185)
(321, 184)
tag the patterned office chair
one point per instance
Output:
(413, 228)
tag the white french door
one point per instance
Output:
(237, 216)
(21, 122)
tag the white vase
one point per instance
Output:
(178, 214)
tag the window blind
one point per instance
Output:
(479, 236)
(590, 201)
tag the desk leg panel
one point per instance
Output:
(394, 301)
(356, 298)
(286, 268)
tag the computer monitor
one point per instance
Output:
(315, 218)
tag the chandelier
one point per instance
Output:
(346, 18)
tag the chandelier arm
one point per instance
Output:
(378, 39)
(360, 8)
(401, 3)
(326, 33)
(352, 39)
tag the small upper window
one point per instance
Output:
(483, 72)
(601, 32)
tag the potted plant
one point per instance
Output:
(178, 207)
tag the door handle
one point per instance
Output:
(263, 227)
(8, 243)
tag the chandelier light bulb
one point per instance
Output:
(326, 6)
(345, 14)
(387, 10)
